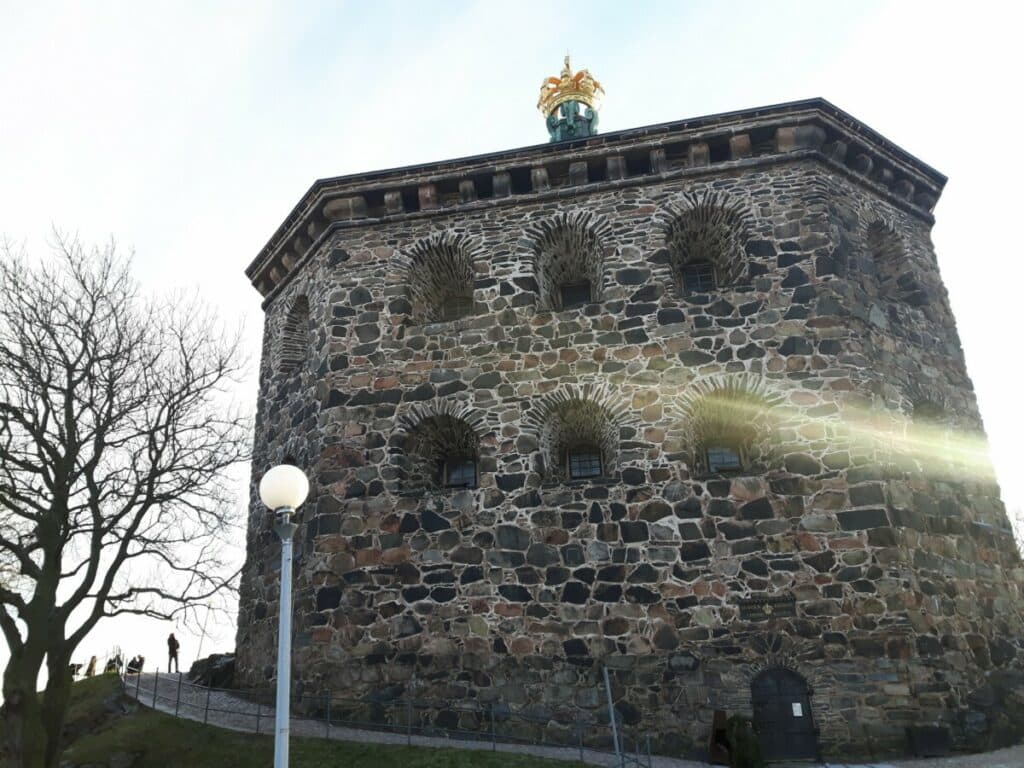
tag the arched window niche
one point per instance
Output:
(568, 253)
(895, 277)
(577, 431)
(293, 346)
(439, 275)
(727, 423)
(705, 236)
(437, 450)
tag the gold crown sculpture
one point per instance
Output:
(580, 87)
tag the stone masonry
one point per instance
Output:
(861, 543)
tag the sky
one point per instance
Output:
(188, 130)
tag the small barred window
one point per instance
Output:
(459, 473)
(455, 307)
(584, 462)
(723, 458)
(575, 294)
(698, 277)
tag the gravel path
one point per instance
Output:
(226, 710)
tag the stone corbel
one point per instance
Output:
(698, 154)
(467, 191)
(345, 208)
(616, 165)
(428, 197)
(739, 146)
(502, 184)
(579, 174)
(393, 202)
(539, 179)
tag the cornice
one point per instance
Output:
(651, 154)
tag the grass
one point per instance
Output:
(157, 740)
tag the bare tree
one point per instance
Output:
(117, 432)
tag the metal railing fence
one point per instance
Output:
(404, 718)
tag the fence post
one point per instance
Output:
(138, 681)
(206, 709)
(649, 761)
(611, 715)
(494, 734)
(327, 728)
(579, 734)
(408, 721)
(177, 696)
(156, 684)
(259, 709)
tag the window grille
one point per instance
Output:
(723, 458)
(575, 294)
(455, 307)
(584, 462)
(699, 277)
(459, 473)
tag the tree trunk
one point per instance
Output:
(55, 705)
(22, 737)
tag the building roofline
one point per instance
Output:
(536, 152)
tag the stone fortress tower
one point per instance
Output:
(686, 401)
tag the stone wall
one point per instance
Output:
(829, 356)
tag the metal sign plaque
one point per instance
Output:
(765, 608)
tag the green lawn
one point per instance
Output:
(161, 741)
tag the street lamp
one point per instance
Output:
(283, 488)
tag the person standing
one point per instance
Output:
(172, 652)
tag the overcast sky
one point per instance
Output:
(189, 130)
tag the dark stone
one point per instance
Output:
(572, 555)
(487, 381)
(576, 593)
(467, 555)
(655, 510)
(665, 638)
(632, 276)
(515, 593)
(542, 555)
(694, 357)
(512, 537)
(756, 566)
(758, 509)
(796, 345)
(433, 522)
(511, 482)
(575, 647)
(694, 550)
(328, 598)
(857, 519)
(864, 495)
(412, 594)
(641, 595)
(821, 561)
(608, 593)
(633, 476)
(733, 530)
(802, 464)
(422, 392)
(689, 509)
(721, 508)
(633, 531)
(643, 574)
(670, 316)
(794, 277)
(442, 594)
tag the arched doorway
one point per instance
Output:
(781, 702)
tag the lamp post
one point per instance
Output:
(282, 489)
